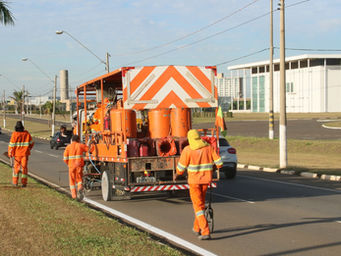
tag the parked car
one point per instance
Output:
(228, 155)
(57, 140)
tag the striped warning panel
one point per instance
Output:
(169, 87)
(163, 188)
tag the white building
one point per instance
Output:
(313, 83)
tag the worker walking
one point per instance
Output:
(73, 157)
(198, 158)
(19, 147)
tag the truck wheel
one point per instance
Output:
(106, 186)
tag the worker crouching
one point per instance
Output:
(198, 158)
(19, 147)
(73, 157)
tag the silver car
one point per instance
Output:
(228, 155)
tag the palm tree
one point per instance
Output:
(6, 16)
(18, 97)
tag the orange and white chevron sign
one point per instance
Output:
(169, 87)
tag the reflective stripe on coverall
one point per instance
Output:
(199, 164)
(19, 147)
(73, 157)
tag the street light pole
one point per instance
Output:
(54, 94)
(4, 109)
(106, 63)
(283, 159)
(271, 85)
(23, 105)
(54, 105)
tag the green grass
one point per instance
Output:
(314, 156)
(333, 124)
(35, 129)
(38, 220)
(265, 116)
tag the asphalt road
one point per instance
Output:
(255, 214)
(296, 129)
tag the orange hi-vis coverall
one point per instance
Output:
(19, 147)
(73, 157)
(199, 164)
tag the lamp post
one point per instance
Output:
(54, 92)
(106, 63)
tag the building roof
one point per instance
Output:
(292, 58)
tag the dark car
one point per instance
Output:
(58, 140)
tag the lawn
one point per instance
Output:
(265, 117)
(303, 155)
(38, 220)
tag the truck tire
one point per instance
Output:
(106, 186)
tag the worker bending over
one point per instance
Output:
(199, 159)
(73, 157)
(19, 147)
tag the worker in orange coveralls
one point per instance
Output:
(19, 147)
(73, 157)
(199, 159)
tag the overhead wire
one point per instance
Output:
(191, 33)
(215, 34)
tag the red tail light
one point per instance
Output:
(58, 140)
(232, 150)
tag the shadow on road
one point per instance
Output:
(242, 231)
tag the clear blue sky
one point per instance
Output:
(122, 27)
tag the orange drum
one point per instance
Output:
(116, 122)
(159, 125)
(180, 121)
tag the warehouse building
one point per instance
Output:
(313, 83)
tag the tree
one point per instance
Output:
(6, 16)
(48, 107)
(18, 97)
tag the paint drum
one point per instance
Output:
(159, 123)
(123, 117)
(180, 121)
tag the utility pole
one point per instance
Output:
(4, 109)
(54, 105)
(271, 82)
(107, 62)
(40, 106)
(283, 158)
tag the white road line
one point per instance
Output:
(234, 198)
(38, 151)
(152, 229)
(53, 155)
(292, 184)
(339, 221)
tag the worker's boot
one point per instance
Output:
(80, 194)
(204, 237)
(197, 233)
(73, 193)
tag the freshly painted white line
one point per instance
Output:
(53, 155)
(152, 229)
(37, 151)
(292, 184)
(339, 221)
(234, 198)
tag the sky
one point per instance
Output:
(158, 32)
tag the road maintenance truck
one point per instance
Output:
(137, 118)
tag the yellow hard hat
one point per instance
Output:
(194, 140)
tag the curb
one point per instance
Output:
(312, 175)
(332, 128)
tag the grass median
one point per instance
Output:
(303, 155)
(38, 220)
